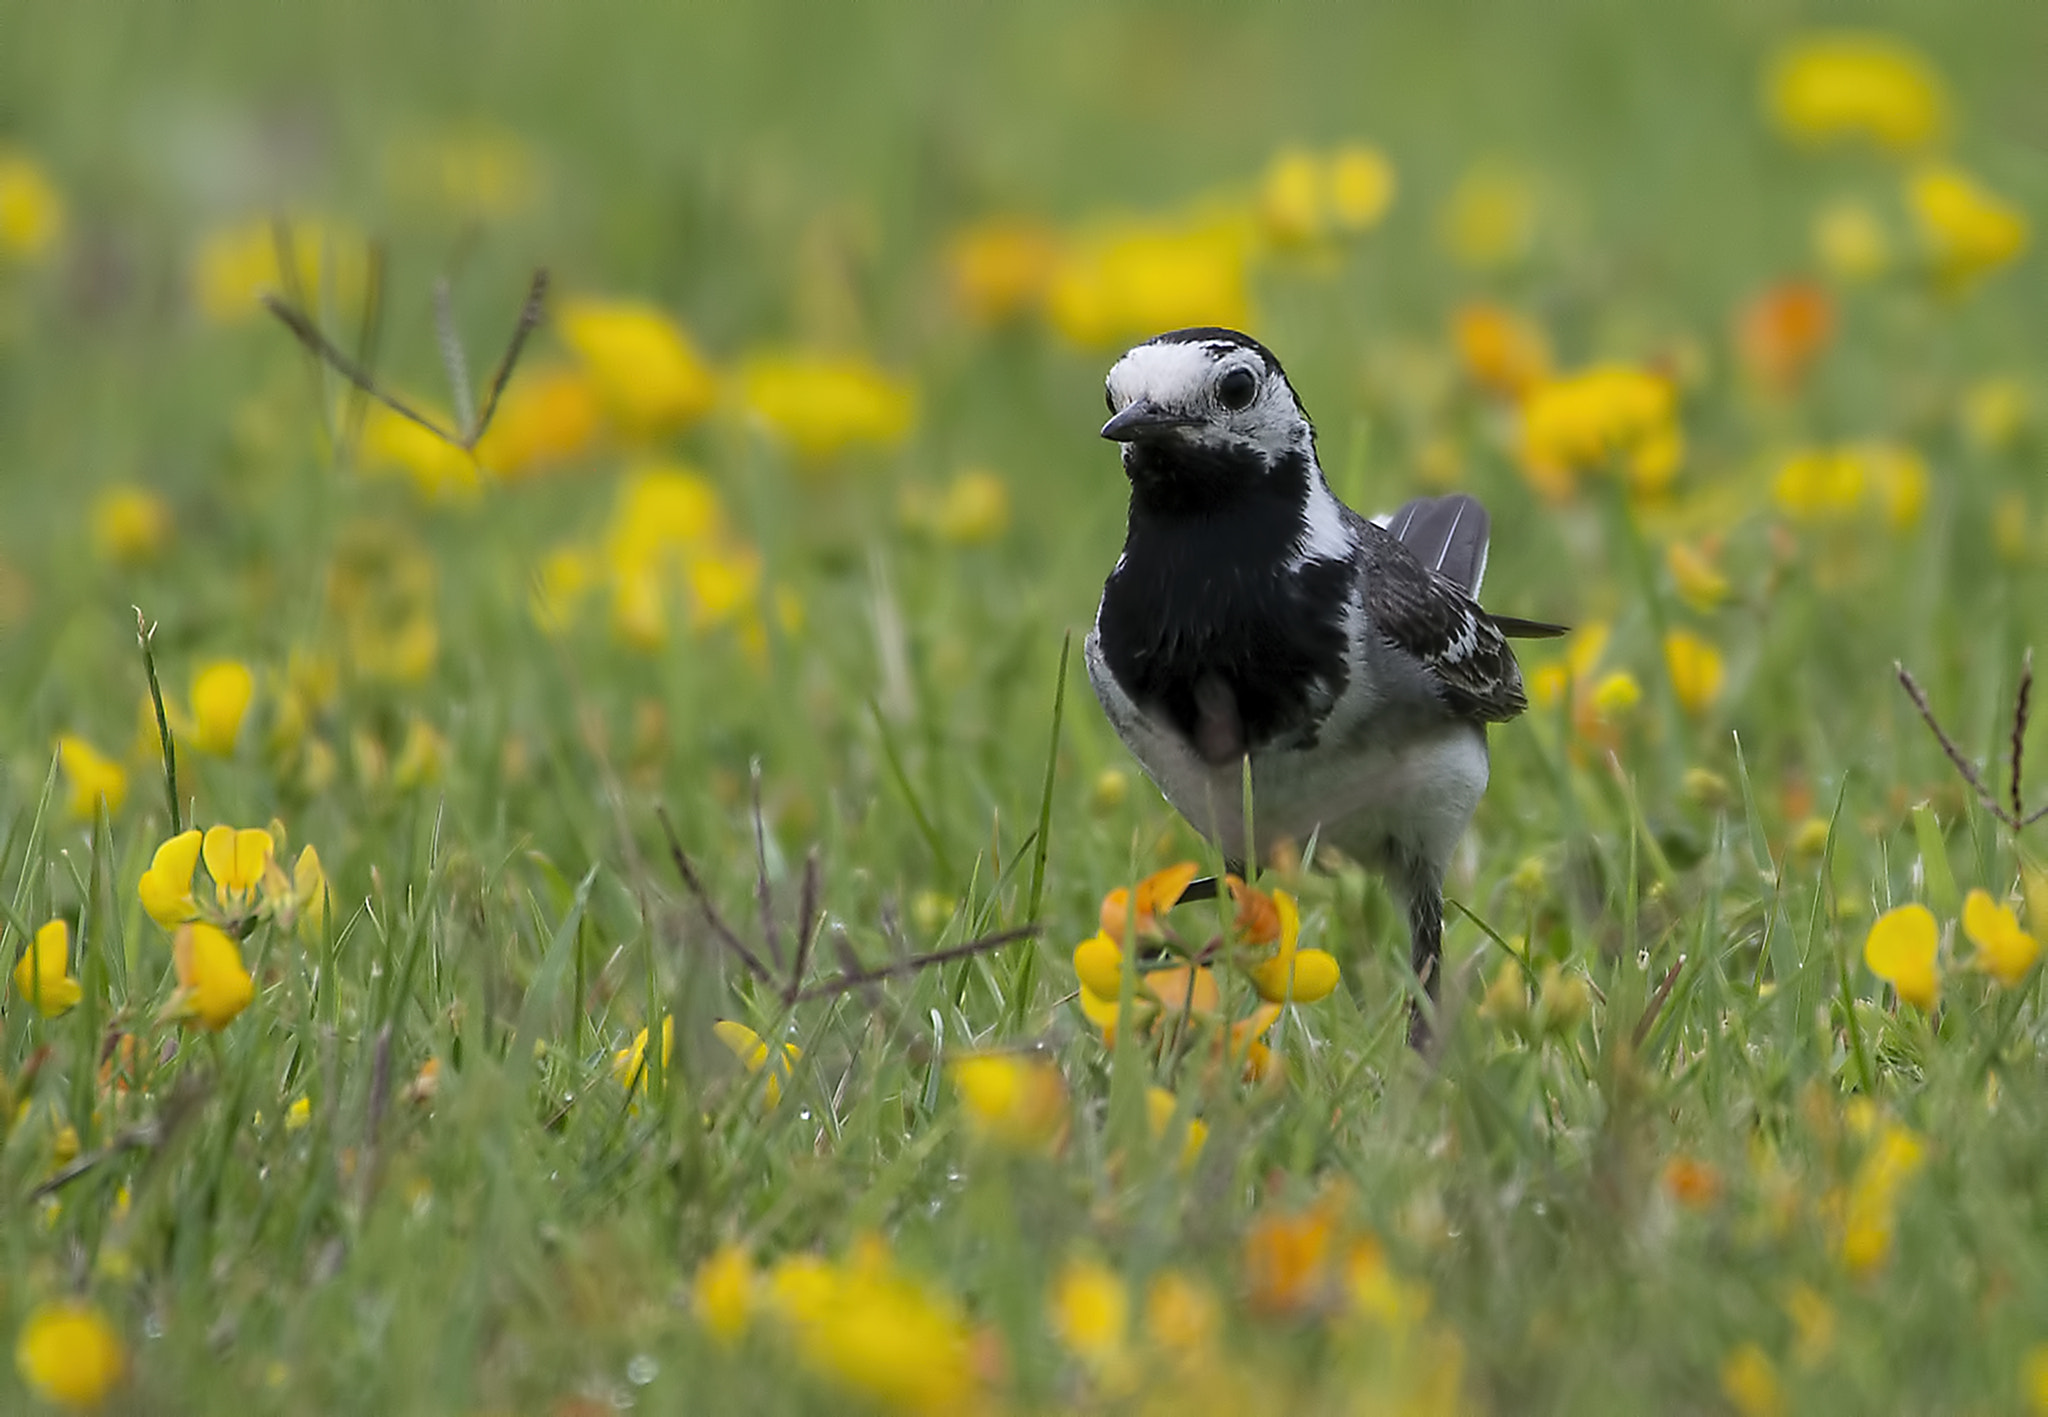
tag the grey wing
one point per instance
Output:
(1448, 535)
(1429, 617)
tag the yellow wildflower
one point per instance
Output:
(43, 974)
(1615, 695)
(221, 692)
(1696, 670)
(1810, 838)
(1749, 1380)
(422, 755)
(213, 987)
(864, 1324)
(1691, 1182)
(440, 471)
(547, 416)
(1112, 787)
(166, 887)
(1813, 1325)
(1699, 581)
(2004, 951)
(1288, 1266)
(69, 1355)
(821, 404)
(299, 1115)
(94, 778)
(129, 525)
(1299, 976)
(1608, 416)
(1016, 1102)
(1870, 1210)
(2034, 1379)
(1968, 230)
(1490, 220)
(723, 1292)
(1828, 87)
(1160, 1109)
(1781, 331)
(1361, 187)
(1898, 475)
(31, 212)
(1502, 352)
(1091, 1312)
(1131, 280)
(629, 1064)
(1901, 950)
(1000, 268)
(237, 265)
(1850, 241)
(752, 1051)
(1815, 484)
(1307, 196)
(310, 892)
(238, 862)
(1182, 1315)
(1156, 895)
(974, 509)
(647, 371)
(1995, 412)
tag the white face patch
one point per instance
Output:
(1182, 377)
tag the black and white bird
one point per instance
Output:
(1253, 615)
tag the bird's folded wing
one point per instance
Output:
(1457, 643)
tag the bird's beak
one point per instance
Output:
(1142, 418)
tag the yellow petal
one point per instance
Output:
(2004, 950)
(1901, 949)
(1315, 975)
(212, 982)
(1100, 965)
(220, 699)
(1192, 989)
(166, 887)
(42, 975)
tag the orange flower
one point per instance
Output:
(1692, 1183)
(1156, 894)
(1782, 331)
(1503, 353)
(1288, 1264)
(1258, 919)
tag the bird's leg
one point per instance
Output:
(1425, 897)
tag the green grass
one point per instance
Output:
(524, 1240)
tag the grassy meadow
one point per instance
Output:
(367, 1043)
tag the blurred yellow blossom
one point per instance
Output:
(221, 692)
(752, 1051)
(1000, 268)
(1309, 196)
(1609, 416)
(1091, 1312)
(381, 589)
(129, 525)
(1749, 1380)
(822, 404)
(1699, 581)
(646, 370)
(1814, 484)
(69, 1355)
(309, 892)
(864, 1324)
(1850, 241)
(237, 265)
(213, 987)
(548, 416)
(42, 976)
(629, 1064)
(1504, 353)
(1869, 1211)
(723, 1292)
(2034, 1379)
(422, 756)
(1161, 1107)
(476, 173)
(2004, 951)
(1490, 219)
(975, 508)
(299, 1115)
(439, 470)
(1288, 1262)
(1813, 1324)
(1616, 694)
(31, 212)
(1901, 950)
(1016, 1102)
(1898, 474)
(1968, 230)
(1696, 670)
(93, 778)
(1828, 87)
(1130, 280)
(166, 887)
(1182, 1315)
(1995, 412)
(1781, 331)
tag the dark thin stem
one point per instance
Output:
(712, 919)
(144, 634)
(1962, 764)
(308, 334)
(1656, 1007)
(806, 923)
(2022, 706)
(861, 978)
(529, 316)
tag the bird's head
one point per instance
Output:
(1205, 404)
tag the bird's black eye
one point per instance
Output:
(1235, 389)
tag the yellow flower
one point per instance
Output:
(1870, 1210)
(220, 698)
(1696, 670)
(723, 1292)
(1828, 87)
(1898, 474)
(1099, 964)
(1160, 1107)
(310, 892)
(440, 471)
(237, 265)
(1968, 230)
(1287, 1261)
(974, 509)
(1850, 242)
(821, 404)
(1749, 1380)
(1502, 352)
(237, 861)
(1813, 1325)
(1608, 416)
(1901, 950)
(129, 525)
(1815, 484)
(1781, 331)
(213, 987)
(422, 754)
(2004, 951)
(1016, 1102)
(1129, 280)
(1156, 895)
(1182, 1315)
(43, 975)
(629, 1064)
(547, 416)
(1361, 187)
(1616, 694)
(166, 887)
(1091, 1312)
(752, 1051)
(867, 1326)
(1302, 976)
(1699, 581)
(1307, 196)
(1000, 268)
(1490, 220)
(647, 371)
(1995, 412)
(2034, 1379)
(69, 1355)
(31, 212)
(94, 778)
(299, 1115)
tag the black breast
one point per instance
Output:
(1202, 623)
